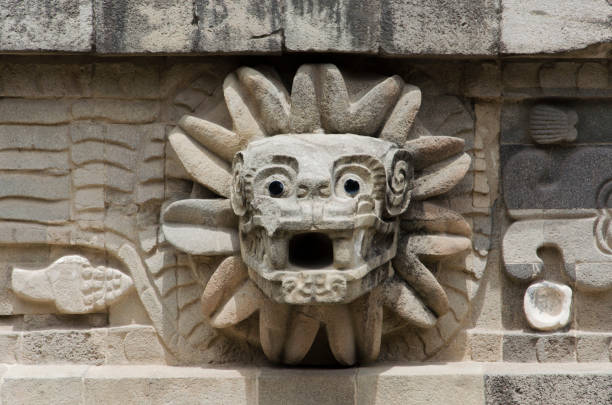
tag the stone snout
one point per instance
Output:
(315, 214)
(319, 250)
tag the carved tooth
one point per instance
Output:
(343, 248)
(367, 314)
(340, 333)
(302, 332)
(277, 249)
(273, 320)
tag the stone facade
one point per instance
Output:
(433, 187)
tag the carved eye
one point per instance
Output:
(276, 188)
(351, 187)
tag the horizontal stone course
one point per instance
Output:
(389, 27)
(473, 383)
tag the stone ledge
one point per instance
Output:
(454, 383)
(465, 28)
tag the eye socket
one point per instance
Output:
(276, 188)
(351, 187)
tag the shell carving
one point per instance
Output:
(549, 125)
(405, 290)
(73, 285)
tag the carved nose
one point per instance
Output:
(313, 188)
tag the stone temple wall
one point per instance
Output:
(145, 256)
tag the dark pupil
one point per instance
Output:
(276, 188)
(351, 187)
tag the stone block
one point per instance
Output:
(9, 344)
(552, 26)
(576, 173)
(556, 348)
(41, 80)
(593, 348)
(135, 112)
(485, 346)
(25, 111)
(125, 80)
(49, 25)
(548, 386)
(41, 385)
(332, 26)
(34, 137)
(168, 385)
(143, 347)
(62, 346)
(440, 27)
(171, 26)
(292, 386)
(425, 384)
(594, 121)
(519, 348)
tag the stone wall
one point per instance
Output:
(387, 27)
(108, 288)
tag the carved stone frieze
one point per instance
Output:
(332, 232)
(558, 193)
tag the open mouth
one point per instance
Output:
(312, 250)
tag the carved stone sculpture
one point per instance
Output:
(324, 223)
(73, 285)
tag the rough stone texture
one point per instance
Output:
(43, 385)
(53, 25)
(549, 26)
(576, 173)
(391, 27)
(339, 25)
(421, 385)
(248, 26)
(322, 387)
(440, 27)
(555, 387)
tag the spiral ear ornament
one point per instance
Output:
(399, 183)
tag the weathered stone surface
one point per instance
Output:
(549, 26)
(178, 27)
(440, 27)
(594, 121)
(285, 386)
(62, 346)
(324, 26)
(554, 387)
(38, 385)
(453, 384)
(517, 348)
(555, 178)
(163, 385)
(342, 158)
(53, 25)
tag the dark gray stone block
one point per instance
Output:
(550, 389)
(594, 120)
(556, 177)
